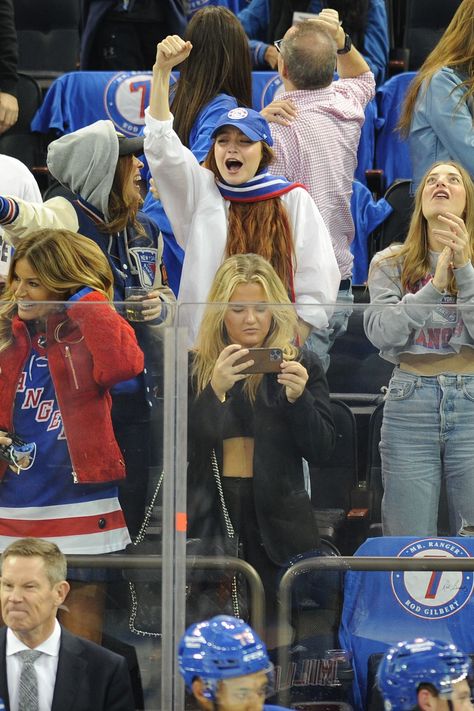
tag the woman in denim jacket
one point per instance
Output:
(422, 318)
(437, 115)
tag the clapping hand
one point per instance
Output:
(443, 270)
(455, 237)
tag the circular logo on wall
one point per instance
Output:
(271, 90)
(126, 97)
(432, 594)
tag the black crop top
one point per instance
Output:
(239, 414)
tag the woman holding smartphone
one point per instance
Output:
(249, 433)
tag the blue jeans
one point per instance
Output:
(427, 436)
(321, 341)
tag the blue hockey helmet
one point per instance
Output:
(407, 665)
(220, 648)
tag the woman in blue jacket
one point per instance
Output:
(437, 115)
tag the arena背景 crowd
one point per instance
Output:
(252, 209)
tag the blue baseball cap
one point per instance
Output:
(248, 121)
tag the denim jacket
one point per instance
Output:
(441, 129)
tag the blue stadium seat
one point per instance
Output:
(391, 152)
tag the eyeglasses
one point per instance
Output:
(277, 44)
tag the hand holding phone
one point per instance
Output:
(225, 374)
(293, 376)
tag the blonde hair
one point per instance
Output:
(64, 261)
(455, 49)
(212, 337)
(413, 254)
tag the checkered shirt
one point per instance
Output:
(319, 149)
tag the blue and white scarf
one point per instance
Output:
(262, 186)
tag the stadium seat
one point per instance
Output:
(356, 372)
(391, 152)
(19, 141)
(381, 608)
(425, 22)
(48, 37)
(395, 227)
(334, 483)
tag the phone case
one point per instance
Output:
(266, 360)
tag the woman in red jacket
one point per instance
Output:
(57, 364)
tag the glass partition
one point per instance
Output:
(315, 659)
(82, 418)
(256, 496)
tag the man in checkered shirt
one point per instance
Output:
(316, 125)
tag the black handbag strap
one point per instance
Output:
(140, 537)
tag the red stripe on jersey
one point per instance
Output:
(53, 527)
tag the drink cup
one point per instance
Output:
(134, 302)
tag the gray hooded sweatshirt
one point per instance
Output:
(85, 162)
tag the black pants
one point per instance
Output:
(239, 499)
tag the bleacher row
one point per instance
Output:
(77, 99)
(56, 99)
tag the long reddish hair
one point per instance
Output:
(260, 227)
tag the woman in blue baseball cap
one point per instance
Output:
(231, 205)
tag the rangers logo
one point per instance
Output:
(126, 97)
(145, 260)
(432, 594)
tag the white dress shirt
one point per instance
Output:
(46, 667)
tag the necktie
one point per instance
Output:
(28, 689)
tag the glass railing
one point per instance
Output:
(224, 515)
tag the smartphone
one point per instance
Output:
(266, 360)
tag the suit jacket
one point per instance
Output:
(89, 677)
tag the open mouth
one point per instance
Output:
(441, 194)
(233, 166)
(25, 305)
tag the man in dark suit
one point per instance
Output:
(68, 673)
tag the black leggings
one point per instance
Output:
(239, 499)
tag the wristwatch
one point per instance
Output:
(347, 45)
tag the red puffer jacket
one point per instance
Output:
(90, 348)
